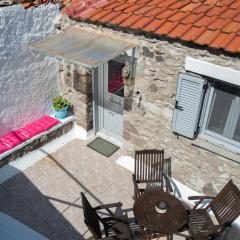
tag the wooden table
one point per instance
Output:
(166, 223)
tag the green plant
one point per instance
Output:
(60, 103)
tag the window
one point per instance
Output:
(208, 108)
(221, 120)
(115, 78)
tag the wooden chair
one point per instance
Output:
(112, 226)
(151, 168)
(225, 207)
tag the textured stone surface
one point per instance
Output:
(36, 143)
(159, 64)
(76, 84)
(28, 80)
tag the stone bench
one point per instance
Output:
(28, 141)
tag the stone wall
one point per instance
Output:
(149, 126)
(28, 79)
(76, 85)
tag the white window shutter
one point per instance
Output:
(189, 99)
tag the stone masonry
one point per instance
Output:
(76, 85)
(149, 125)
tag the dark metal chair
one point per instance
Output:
(151, 168)
(225, 207)
(112, 226)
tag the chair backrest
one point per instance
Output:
(226, 205)
(91, 218)
(149, 165)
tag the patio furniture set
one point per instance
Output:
(158, 212)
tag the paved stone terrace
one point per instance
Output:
(46, 196)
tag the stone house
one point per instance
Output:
(161, 74)
(156, 74)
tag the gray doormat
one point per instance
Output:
(102, 146)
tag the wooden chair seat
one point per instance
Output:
(117, 226)
(199, 222)
(225, 209)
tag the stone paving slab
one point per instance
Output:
(46, 196)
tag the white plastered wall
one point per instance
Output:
(28, 80)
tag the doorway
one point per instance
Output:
(109, 98)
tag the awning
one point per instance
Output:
(81, 47)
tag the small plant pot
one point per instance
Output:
(61, 113)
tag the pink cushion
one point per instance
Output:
(3, 147)
(20, 135)
(47, 122)
(11, 140)
(37, 127)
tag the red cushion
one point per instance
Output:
(37, 127)
(47, 122)
(11, 140)
(3, 147)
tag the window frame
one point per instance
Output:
(209, 135)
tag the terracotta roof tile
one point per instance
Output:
(218, 24)
(232, 27)
(237, 18)
(166, 14)
(222, 40)
(216, 11)
(193, 33)
(179, 30)
(122, 7)
(178, 16)
(207, 37)
(215, 23)
(155, 11)
(229, 13)
(153, 25)
(132, 8)
(178, 5)
(102, 13)
(112, 6)
(166, 28)
(109, 17)
(190, 6)
(204, 21)
(141, 23)
(235, 5)
(144, 10)
(120, 18)
(191, 18)
(130, 21)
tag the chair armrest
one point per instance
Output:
(168, 183)
(200, 200)
(107, 206)
(110, 205)
(137, 191)
(200, 197)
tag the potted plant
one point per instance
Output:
(60, 106)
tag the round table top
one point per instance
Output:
(148, 217)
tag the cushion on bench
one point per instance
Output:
(20, 135)
(11, 140)
(47, 122)
(3, 147)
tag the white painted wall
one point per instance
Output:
(28, 80)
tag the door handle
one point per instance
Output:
(178, 107)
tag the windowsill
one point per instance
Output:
(220, 151)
